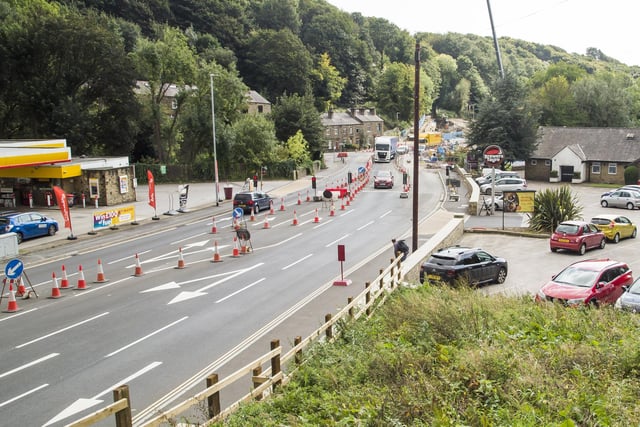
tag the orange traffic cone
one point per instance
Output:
(299, 201)
(64, 282)
(271, 211)
(55, 290)
(214, 228)
(100, 277)
(180, 259)
(12, 307)
(316, 219)
(308, 198)
(266, 221)
(342, 206)
(332, 211)
(82, 284)
(282, 204)
(236, 250)
(216, 254)
(295, 219)
(21, 289)
(138, 271)
(252, 217)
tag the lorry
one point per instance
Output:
(385, 148)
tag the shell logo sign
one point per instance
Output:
(493, 156)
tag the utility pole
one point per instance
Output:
(495, 41)
(416, 146)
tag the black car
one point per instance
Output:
(474, 265)
(252, 201)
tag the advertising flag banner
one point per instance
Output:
(61, 198)
(152, 189)
(184, 195)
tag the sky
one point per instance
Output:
(572, 25)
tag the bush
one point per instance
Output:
(552, 206)
(631, 174)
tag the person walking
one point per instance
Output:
(399, 246)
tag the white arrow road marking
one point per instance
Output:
(337, 240)
(63, 330)
(126, 258)
(170, 285)
(35, 362)
(82, 404)
(146, 336)
(183, 296)
(173, 285)
(240, 290)
(296, 262)
(23, 395)
(196, 244)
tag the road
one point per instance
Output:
(159, 328)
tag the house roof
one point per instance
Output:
(353, 117)
(256, 98)
(590, 144)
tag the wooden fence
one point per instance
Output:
(264, 382)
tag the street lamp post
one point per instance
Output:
(215, 155)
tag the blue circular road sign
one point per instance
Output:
(237, 213)
(14, 268)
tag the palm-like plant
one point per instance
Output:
(552, 206)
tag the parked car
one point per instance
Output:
(252, 201)
(621, 199)
(615, 227)
(505, 184)
(27, 225)
(630, 299)
(383, 179)
(626, 187)
(474, 265)
(486, 179)
(402, 149)
(590, 282)
(576, 236)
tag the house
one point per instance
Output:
(356, 127)
(598, 155)
(256, 104)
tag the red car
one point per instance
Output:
(591, 282)
(383, 179)
(577, 236)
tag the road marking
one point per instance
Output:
(126, 258)
(337, 240)
(240, 290)
(23, 395)
(385, 214)
(296, 262)
(324, 223)
(18, 314)
(25, 366)
(364, 226)
(146, 337)
(63, 330)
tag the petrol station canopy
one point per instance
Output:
(37, 159)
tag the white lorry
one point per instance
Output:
(385, 148)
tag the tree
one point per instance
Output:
(253, 143)
(603, 99)
(327, 83)
(506, 119)
(296, 149)
(395, 91)
(297, 113)
(278, 15)
(557, 103)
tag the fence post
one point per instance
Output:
(381, 278)
(123, 416)
(367, 297)
(298, 357)
(349, 301)
(329, 331)
(256, 373)
(213, 401)
(275, 363)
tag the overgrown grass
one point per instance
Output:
(436, 356)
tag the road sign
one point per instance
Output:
(237, 213)
(14, 268)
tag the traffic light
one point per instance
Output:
(313, 182)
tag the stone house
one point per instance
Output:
(356, 127)
(257, 104)
(597, 155)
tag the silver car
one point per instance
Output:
(505, 184)
(621, 199)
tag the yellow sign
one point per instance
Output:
(518, 201)
(113, 217)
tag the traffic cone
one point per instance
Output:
(243, 247)
(342, 205)
(55, 290)
(100, 277)
(295, 219)
(308, 198)
(252, 217)
(82, 284)
(64, 282)
(236, 250)
(271, 211)
(266, 221)
(214, 228)
(12, 306)
(282, 204)
(332, 211)
(236, 224)
(316, 219)
(216, 254)
(138, 271)
(180, 259)
(21, 289)
(299, 201)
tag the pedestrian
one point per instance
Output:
(399, 246)
(255, 181)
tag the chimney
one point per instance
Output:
(361, 111)
(352, 112)
(330, 114)
(372, 111)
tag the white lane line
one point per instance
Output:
(18, 314)
(147, 336)
(23, 395)
(336, 241)
(27, 365)
(385, 214)
(364, 226)
(240, 290)
(296, 262)
(324, 223)
(63, 330)
(348, 212)
(281, 242)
